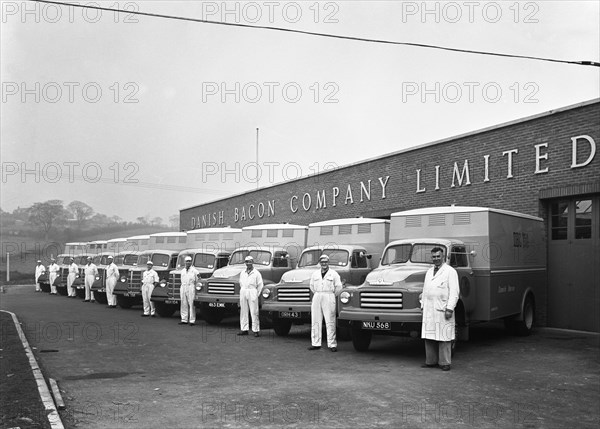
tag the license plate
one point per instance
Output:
(132, 294)
(289, 315)
(379, 326)
(216, 304)
(171, 301)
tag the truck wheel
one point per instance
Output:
(45, 287)
(164, 310)
(344, 334)
(124, 301)
(212, 316)
(100, 297)
(282, 327)
(361, 340)
(522, 327)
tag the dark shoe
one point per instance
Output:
(153, 315)
(333, 349)
(445, 367)
(256, 334)
(86, 300)
(92, 300)
(145, 315)
(182, 323)
(191, 323)
(314, 347)
(243, 333)
(426, 365)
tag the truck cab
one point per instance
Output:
(129, 287)
(166, 297)
(275, 249)
(63, 261)
(498, 255)
(353, 246)
(79, 283)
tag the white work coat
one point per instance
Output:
(440, 293)
(189, 277)
(149, 277)
(331, 282)
(253, 282)
(53, 269)
(90, 270)
(112, 272)
(39, 270)
(73, 269)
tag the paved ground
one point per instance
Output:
(117, 369)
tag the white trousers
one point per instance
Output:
(187, 308)
(146, 294)
(37, 285)
(111, 299)
(51, 279)
(70, 289)
(89, 281)
(249, 302)
(323, 306)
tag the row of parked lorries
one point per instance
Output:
(499, 256)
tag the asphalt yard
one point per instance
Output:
(119, 370)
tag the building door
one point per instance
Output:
(574, 263)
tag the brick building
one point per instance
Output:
(544, 165)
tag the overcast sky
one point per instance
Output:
(168, 109)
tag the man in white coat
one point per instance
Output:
(251, 284)
(189, 277)
(39, 270)
(71, 278)
(112, 276)
(325, 285)
(149, 278)
(90, 272)
(53, 270)
(440, 295)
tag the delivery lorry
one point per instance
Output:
(164, 247)
(499, 256)
(274, 248)
(354, 247)
(214, 247)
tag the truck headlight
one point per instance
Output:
(345, 297)
(266, 293)
(123, 279)
(162, 284)
(97, 278)
(199, 287)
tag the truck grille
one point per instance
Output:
(135, 281)
(174, 290)
(221, 288)
(64, 273)
(381, 299)
(299, 294)
(102, 274)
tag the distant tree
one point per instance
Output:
(81, 211)
(174, 221)
(157, 221)
(45, 215)
(142, 220)
(116, 219)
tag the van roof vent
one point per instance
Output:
(462, 218)
(288, 233)
(345, 229)
(364, 228)
(438, 219)
(413, 221)
(327, 230)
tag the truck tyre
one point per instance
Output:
(282, 327)
(165, 310)
(212, 316)
(100, 297)
(522, 327)
(124, 301)
(361, 340)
